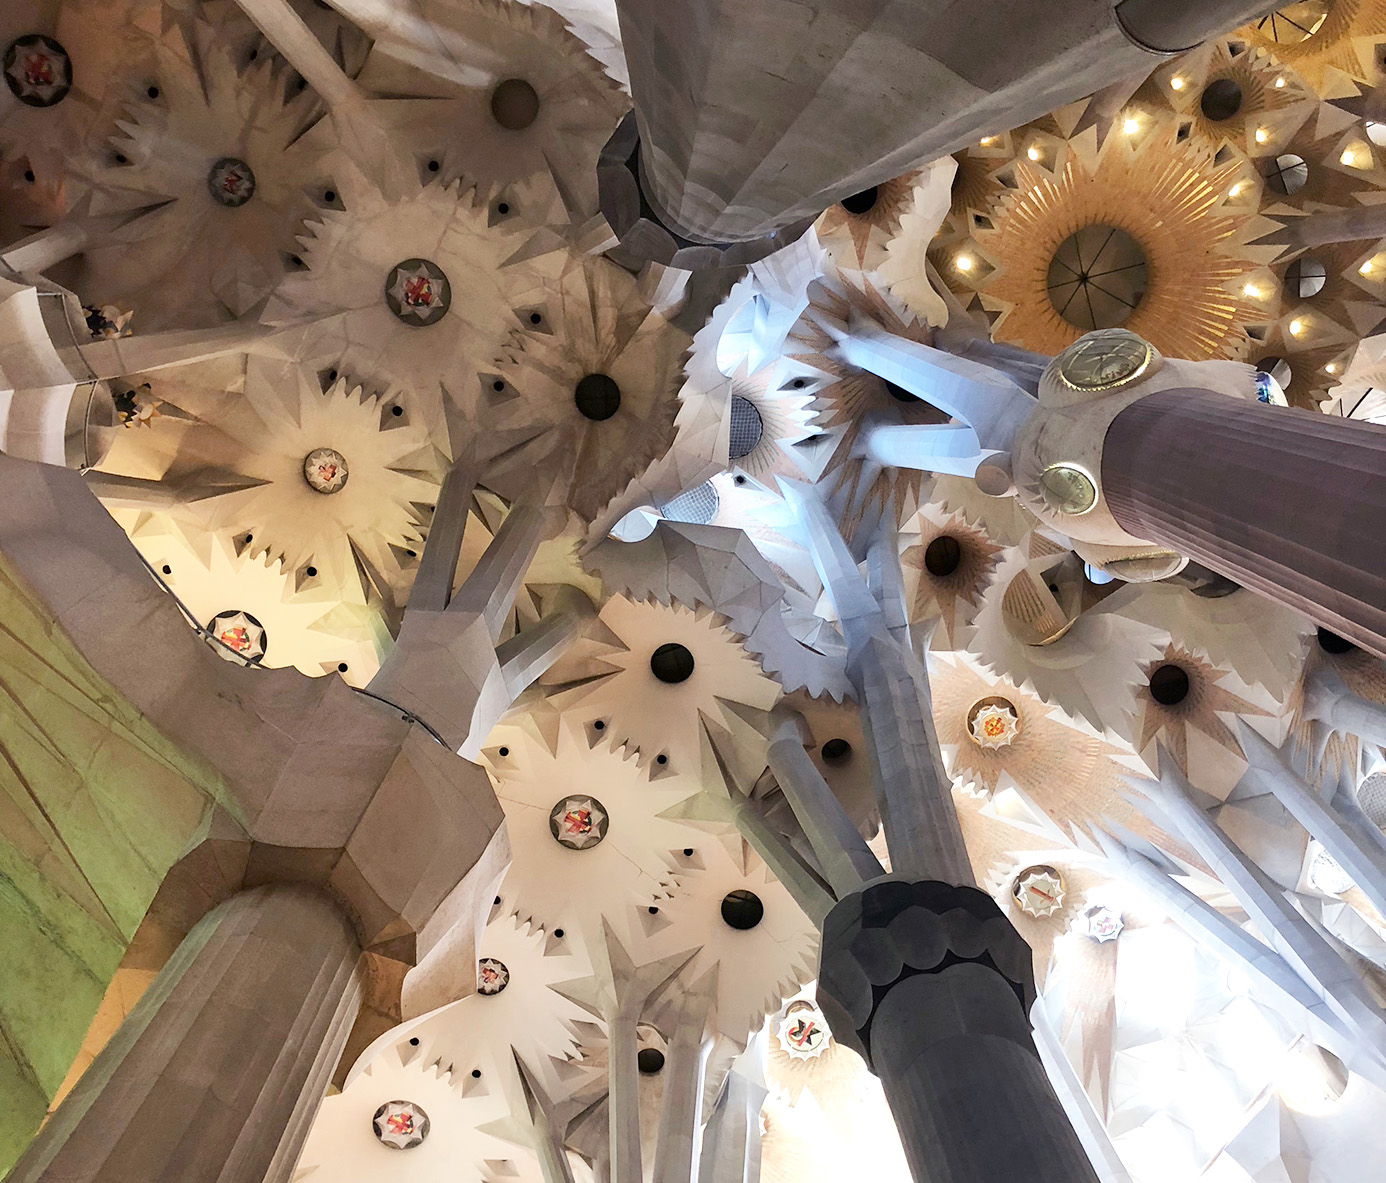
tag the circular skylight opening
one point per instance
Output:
(1169, 685)
(746, 427)
(942, 556)
(742, 909)
(860, 203)
(514, 104)
(1221, 99)
(597, 396)
(1097, 277)
(671, 663)
(1287, 174)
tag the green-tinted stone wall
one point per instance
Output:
(95, 805)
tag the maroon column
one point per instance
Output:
(1287, 502)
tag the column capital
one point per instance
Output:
(649, 234)
(894, 929)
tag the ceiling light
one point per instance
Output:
(1296, 327)
(964, 262)
(1332, 367)
(1131, 126)
(1176, 83)
(1251, 290)
(1237, 188)
(987, 141)
(1366, 268)
(1262, 135)
(1279, 82)
(1033, 153)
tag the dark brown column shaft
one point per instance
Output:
(932, 984)
(216, 1074)
(1287, 502)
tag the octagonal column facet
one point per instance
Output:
(215, 1075)
(934, 986)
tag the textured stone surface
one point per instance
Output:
(218, 1070)
(1283, 501)
(746, 128)
(934, 986)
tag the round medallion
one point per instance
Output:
(1097, 277)
(1039, 891)
(231, 182)
(803, 1032)
(38, 70)
(400, 1125)
(578, 822)
(418, 292)
(491, 976)
(1067, 489)
(1100, 922)
(993, 723)
(325, 470)
(1103, 360)
(240, 637)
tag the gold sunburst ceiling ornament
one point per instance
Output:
(1171, 202)
(1329, 43)
(1225, 92)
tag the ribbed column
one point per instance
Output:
(756, 114)
(216, 1074)
(1287, 502)
(933, 984)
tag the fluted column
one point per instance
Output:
(933, 985)
(216, 1074)
(1287, 502)
(754, 115)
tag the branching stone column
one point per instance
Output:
(933, 985)
(752, 116)
(216, 1074)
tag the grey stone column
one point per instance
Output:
(216, 1074)
(932, 984)
(1287, 502)
(754, 115)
